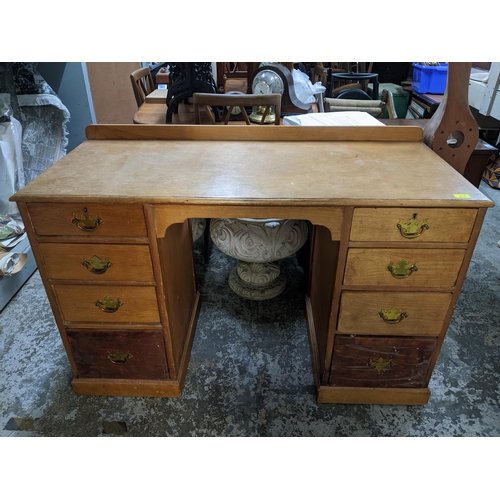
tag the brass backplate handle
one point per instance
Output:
(96, 265)
(119, 358)
(108, 305)
(402, 270)
(380, 364)
(412, 228)
(85, 221)
(393, 315)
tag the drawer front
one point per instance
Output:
(394, 313)
(413, 224)
(97, 262)
(71, 219)
(125, 304)
(403, 267)
(360, 361)
(119, 354)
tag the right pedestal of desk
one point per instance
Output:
(392, 281)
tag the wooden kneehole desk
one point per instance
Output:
(394, 228)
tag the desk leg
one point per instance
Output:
(178, 299)
(322, 272)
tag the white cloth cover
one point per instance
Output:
(338, 119)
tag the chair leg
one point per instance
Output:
(173, 103)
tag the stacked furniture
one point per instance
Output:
(41, 140)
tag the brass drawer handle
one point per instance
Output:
(86, 222)
(393, 315)
(119, 358)
(380, 364)
(108, 305)
(412, 228)
(402, 270)
(96, 265)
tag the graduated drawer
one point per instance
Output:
(405, 313)
(97, 262)
(403, 267)
(373, 361)
(126, 304)
(92, 219)
(443, 224)
(119, 354)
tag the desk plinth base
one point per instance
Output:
(373, 396)
(144, 388)
(357, 395)
(122, 387)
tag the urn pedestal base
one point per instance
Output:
(257, 281)
(258, 244)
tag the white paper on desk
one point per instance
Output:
(335, 119)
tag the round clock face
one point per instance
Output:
(267, 82)
(261, 87)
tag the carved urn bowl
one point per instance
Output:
(258, 244)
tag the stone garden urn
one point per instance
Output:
(197, 227)
(258, 244)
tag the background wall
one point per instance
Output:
(112, 92)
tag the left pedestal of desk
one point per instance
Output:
(106, 280)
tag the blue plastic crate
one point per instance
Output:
(429, 79)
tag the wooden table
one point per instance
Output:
(158, 96)
(155, 113)
(151, 113)
(394, 228)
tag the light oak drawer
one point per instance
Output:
(71, 219)
(127, 304)
(403, 267)
(395, 313)
(417, 224)
(119, 354)
(361, 361)
(97, 262)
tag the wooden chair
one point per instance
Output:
(231, 101)
(388, 98)
(319, 74)
(374, 108)
(333, 88)
(142, 83)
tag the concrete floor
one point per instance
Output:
(250, 370)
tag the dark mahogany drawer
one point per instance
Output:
(373, 361)
(119, 354)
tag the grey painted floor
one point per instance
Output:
(250, 371)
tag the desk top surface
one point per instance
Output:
(258, 172)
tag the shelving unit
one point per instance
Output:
(485, 96)
(10, 285)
